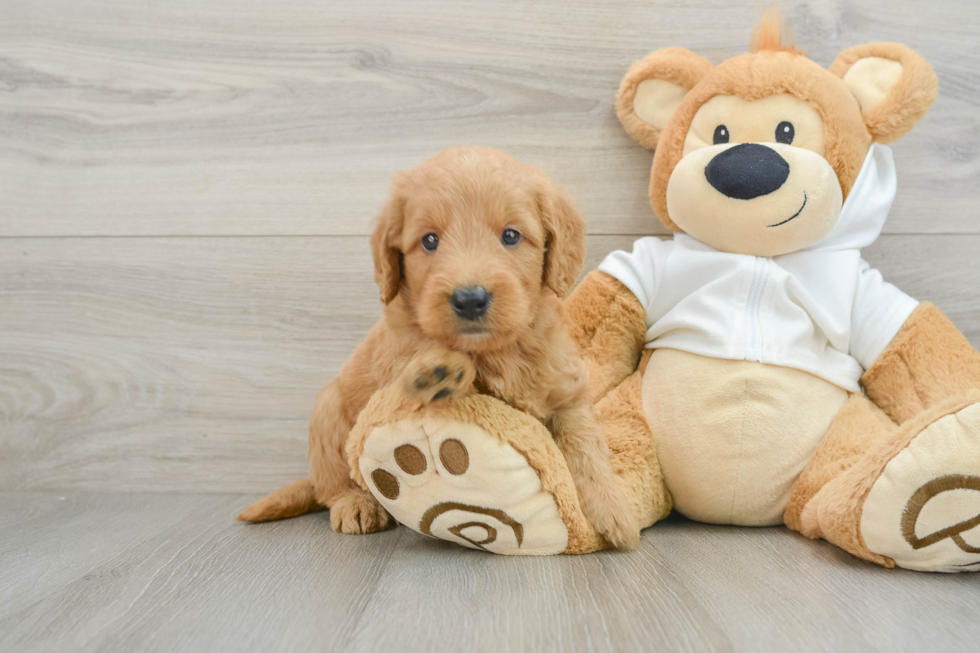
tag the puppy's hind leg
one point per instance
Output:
(580, 439)
(352, 510)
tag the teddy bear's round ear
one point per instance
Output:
(893, 84)
(653, 89)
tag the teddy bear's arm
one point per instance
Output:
(608, 324)
(927, 362)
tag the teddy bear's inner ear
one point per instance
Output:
(870, 80)
(656, 100)
(652, 90)
(893, 85)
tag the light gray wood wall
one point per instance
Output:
(186, 187)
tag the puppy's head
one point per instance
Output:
(471, 242)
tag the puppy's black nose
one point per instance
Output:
(747, 171)
(472, 302)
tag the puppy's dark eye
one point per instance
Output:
(430, 241)
(721, 134)
(510, 237)
(785, 132)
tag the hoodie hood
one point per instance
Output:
(866, 208)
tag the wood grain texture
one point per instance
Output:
(204, 583)
(191, 364)
(48, 541)
(773, 590)
(129, 117)
(122, 572)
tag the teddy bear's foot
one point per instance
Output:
(455, 481)
(923, 511)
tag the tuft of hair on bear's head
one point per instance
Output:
(769, 33)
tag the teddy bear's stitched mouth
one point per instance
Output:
(794, 215)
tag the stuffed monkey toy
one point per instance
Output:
(754, 370)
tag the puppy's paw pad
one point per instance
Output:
(450, 375)
(457, 482)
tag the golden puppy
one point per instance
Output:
(472, 253)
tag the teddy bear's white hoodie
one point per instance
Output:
(822, 309)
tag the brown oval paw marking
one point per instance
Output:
(410, 459)
(454, 456)
(386, 483)
(954, 532)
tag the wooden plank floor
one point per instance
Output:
(170, 572)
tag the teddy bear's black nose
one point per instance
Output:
(471, 302)
(747, 171)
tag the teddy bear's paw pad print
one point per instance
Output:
(924, 509)
(457, 482)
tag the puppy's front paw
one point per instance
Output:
(611, 515)
(439, 374)
(356, 512)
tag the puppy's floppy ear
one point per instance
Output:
(565, 241)
(387, 228)
(894, 85)
(653, 89)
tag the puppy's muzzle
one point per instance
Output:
(471, 302)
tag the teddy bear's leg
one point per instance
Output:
(473, 471)
(633, 450)
(858, 425)
(900, 484)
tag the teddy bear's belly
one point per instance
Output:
(733, 436)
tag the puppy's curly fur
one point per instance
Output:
(519, 350)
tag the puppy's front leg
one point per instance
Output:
(435, 373)
(583, 444)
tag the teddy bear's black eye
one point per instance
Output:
(430, 241)
(510, 237)
(785, 132)
(721, 134)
